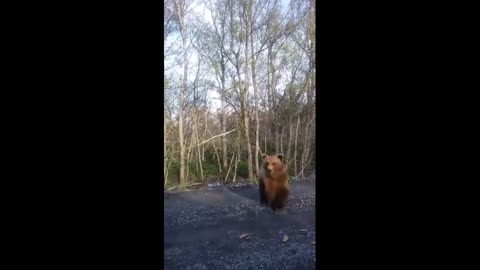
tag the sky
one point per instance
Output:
(177, 71)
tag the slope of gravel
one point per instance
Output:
(202, 229)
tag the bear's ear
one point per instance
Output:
(281, 157)
(264, 156)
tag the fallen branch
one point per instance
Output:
(216, 136)
(170, 189)
(194, 184)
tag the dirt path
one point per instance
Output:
(202, 230)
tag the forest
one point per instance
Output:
(239, 81)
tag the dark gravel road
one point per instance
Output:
(202, 229)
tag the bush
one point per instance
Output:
(173, 173)
(210, 168)
(193, 175)
(242, 169)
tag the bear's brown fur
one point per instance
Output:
(273, 181)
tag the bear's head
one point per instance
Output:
(274, 164)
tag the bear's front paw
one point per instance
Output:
(272, 206)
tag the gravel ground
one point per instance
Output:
(203, 228)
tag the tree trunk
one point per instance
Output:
(237, 160)
(247, 136)
(255, 89)
(265, 143)
(245, 104)
(270, 96)
(218, 160)
(188, 158)
(180, 10)
(305, 150)
(200, 161)
(224, 130)
(180, 133)
(281, 140)
(229, 167)
(205, 127)
(271, 91)
(296, 143)
(222, 173)
(277, 148)
(199, 152)
(166, 174)
(290, 137)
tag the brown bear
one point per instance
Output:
(273, 181)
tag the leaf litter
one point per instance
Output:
(245, 236)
